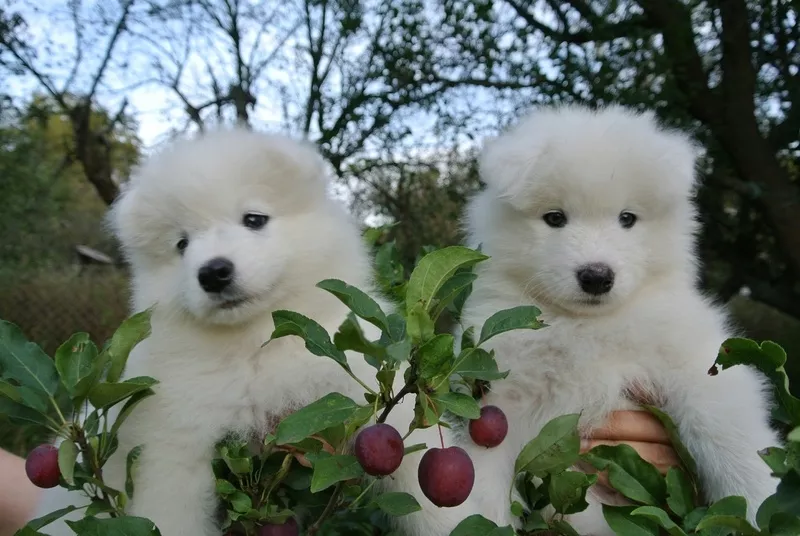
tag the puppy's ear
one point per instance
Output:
(508, 164)
(300, 160)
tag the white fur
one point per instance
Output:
(214, 374)
(653, 330)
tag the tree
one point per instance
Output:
(726, 70)
(46, 205)
(74, 96)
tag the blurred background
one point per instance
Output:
(398, 95)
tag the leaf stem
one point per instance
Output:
(407, 389)
(313, 529)
(361, 383)
(369, 487)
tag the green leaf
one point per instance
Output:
(131, 462)
(434, 356)
(27, 531)
(224, 488)
(784, 524)
(433, 271)
(672, 432)
(739, 525)
(332, 469)
(660, 517)
(238, 461)
(329, 410)
(556, 448)
(623, 523)
(98, 507)
(503, 531)
(567, 491)
(564, 528)
(25, 362)
(788, 492)
(726, 508)
(521, 317)
(680, 492)
(474, 525)
(695, 516)
(22, 414)
(458, 404)
(468, 339)
(400, 351)
(67, 456)
(39, 522)
(117, 526)
(767, 357)
(420, 326)
(75, 360)
(397, 504)
(317, 340)
(534, 521)
(460, 282)
(629, 474)
(478, 364)
(775, 458)
(34, 399)
(104, 395)
(729, 506)
(131, 332)
(357, 301)
(425, 414)
(351, 337)
(794, 435)
(241, 502)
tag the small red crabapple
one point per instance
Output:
(490, 429)
(379, 449)
(41, 466)
(446, 476)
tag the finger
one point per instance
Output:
(663, 457)
(632, 425)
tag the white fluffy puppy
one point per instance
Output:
(589, 215)
(220, 231)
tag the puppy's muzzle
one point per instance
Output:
(216, 275)
(595, 278)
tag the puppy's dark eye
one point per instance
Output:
(255, 221)
(182, 244)
(555, 218)
(627, 219)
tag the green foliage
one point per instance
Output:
(304, 466)
(51, 391)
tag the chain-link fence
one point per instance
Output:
(49, 306)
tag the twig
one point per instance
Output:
(407, 389)
(313, 529)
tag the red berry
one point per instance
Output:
(41, 466)
(490, 429)
(288, 528)
(446, 476)
(379, 449)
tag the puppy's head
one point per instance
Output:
(224, 226)
(582, 207)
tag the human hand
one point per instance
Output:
(17, 495)
(642, 431)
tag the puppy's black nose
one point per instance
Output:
(215, 275)
(596, 278)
